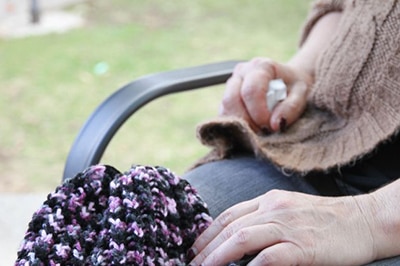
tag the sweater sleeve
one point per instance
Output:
(319, 8)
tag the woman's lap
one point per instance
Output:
(225, 183)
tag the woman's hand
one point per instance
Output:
(246, 90)
(245, 94)
(290, 228)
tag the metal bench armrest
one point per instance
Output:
(109, 116)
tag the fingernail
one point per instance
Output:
(190, 254)
(282, 124)
(265, 130)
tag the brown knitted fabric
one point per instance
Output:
(353, 106)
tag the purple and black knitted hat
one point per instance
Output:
(147, 216)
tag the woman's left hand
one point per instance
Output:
(290, 228)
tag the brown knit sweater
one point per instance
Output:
(353, 105)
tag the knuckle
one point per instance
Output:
(242, 237)
(247, 92)
(292, 106)
(269, 65)
(267, 258)
(257, 60)
(238, 68)
(228, 232)
(274, 193)
(232, 79)
(280, 200)
(229, 104)
(265, 65)
(227, 101)
(262, 61)
(225, 218)
(301, 87)
(281, 204)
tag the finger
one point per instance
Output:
(221, 222)
(232, 104)
(290, 109)
(285, 253)
(256, 76)
(254, 89)
(245, 241)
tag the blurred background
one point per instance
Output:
(60, 59)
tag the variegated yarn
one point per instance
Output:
(147, 216)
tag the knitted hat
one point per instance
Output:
(147, 216)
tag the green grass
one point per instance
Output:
(48, 85)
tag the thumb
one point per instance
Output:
(289, 110)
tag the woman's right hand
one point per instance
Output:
(245, 94)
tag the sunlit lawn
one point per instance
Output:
(49, 85)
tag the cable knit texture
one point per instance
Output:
(147, 216)
(353, 105)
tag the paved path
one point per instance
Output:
(15, 213)
(15, 20)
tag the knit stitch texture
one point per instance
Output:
(353, 105)
(146, 216)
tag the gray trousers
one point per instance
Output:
(224, 183)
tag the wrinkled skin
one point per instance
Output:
(245, 94)
(289, 228)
